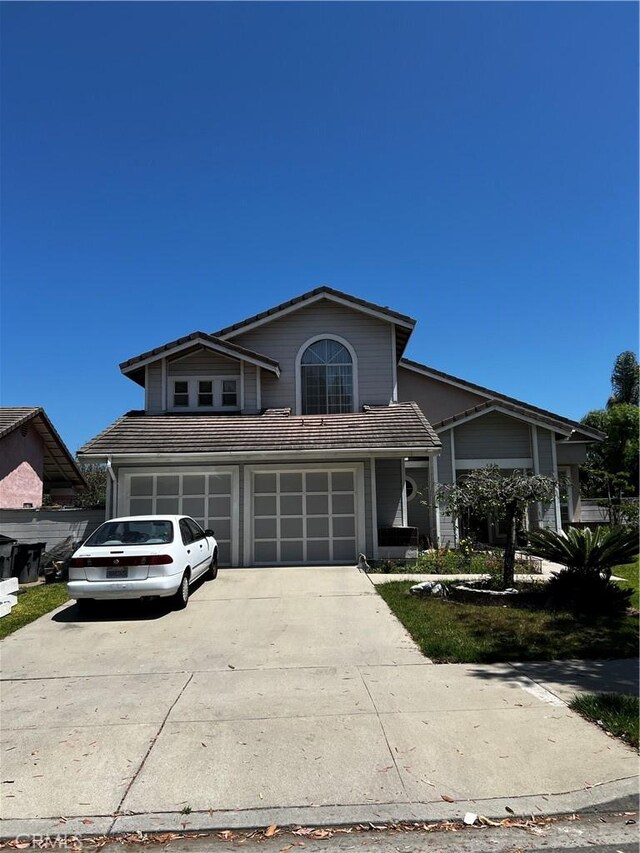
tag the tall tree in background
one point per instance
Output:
(625, 380)
(612, 470)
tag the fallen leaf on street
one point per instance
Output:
(270, 831)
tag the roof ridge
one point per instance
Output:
(193, 336)
(316, 291)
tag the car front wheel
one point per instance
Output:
(182, 595)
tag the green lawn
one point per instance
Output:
(615, 712)
(32, 604)
(630, 573)
(449, 632)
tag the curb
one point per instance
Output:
(620, 795)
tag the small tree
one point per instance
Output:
(489, 490)
(94, 495)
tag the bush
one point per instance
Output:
(588, 594)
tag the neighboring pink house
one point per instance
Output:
(34, 460)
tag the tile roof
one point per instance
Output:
(496, 398)
(401, 426)
(59, 464)
(234, 350)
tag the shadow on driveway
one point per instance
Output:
(122, 610)
(569, 677)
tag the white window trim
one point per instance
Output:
(192, 384)
(415, 488)
(354, 370)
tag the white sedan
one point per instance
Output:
(143, 557)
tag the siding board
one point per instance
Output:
(389, 486)
(493, 436)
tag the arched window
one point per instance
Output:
(326, 376)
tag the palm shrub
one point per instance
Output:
(585, 584)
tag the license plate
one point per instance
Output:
(112, 574)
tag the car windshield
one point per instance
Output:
(144, 532)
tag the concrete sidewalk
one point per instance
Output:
(280, 695)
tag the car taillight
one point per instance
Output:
(144, 560)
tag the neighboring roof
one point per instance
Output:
(400, 427)
(404, 324)
(59, 464)
(496, 398)
(133, 366)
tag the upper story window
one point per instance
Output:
(215, 393)
(326, 377)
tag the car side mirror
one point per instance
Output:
(209, 533)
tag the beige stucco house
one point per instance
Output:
(303, 435)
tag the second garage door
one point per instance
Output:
(304, 516)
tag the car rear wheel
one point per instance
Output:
(182, 595)
(212, 571)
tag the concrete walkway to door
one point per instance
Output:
(286, 695)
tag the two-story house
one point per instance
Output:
(302, 435)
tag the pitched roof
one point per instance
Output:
(227, 348)
(404, 324)
(59, 464)
(496, 398)
(399, 428)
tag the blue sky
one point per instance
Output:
(178, 166)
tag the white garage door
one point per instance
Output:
(205, 496)
(304, 517)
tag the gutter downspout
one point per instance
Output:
(114, 488)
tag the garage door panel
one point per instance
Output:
(291, 528)
(195, 507)
(194, 484)
(265, 505)
(344, 526)
(140, 506)
(168, 506)
(292, 552)
(318, 551)
(342, 481)
(344, 549)
(264, 483)
(221, 526)
(265, 528)
(317, 482)
(142, 486)
(343, 504)
(219, 507)
(266, 552)
(318, 527)
(168, 484)
(317, 504)
(291, 505)
(291, 483)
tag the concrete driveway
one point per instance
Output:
(278, 695)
